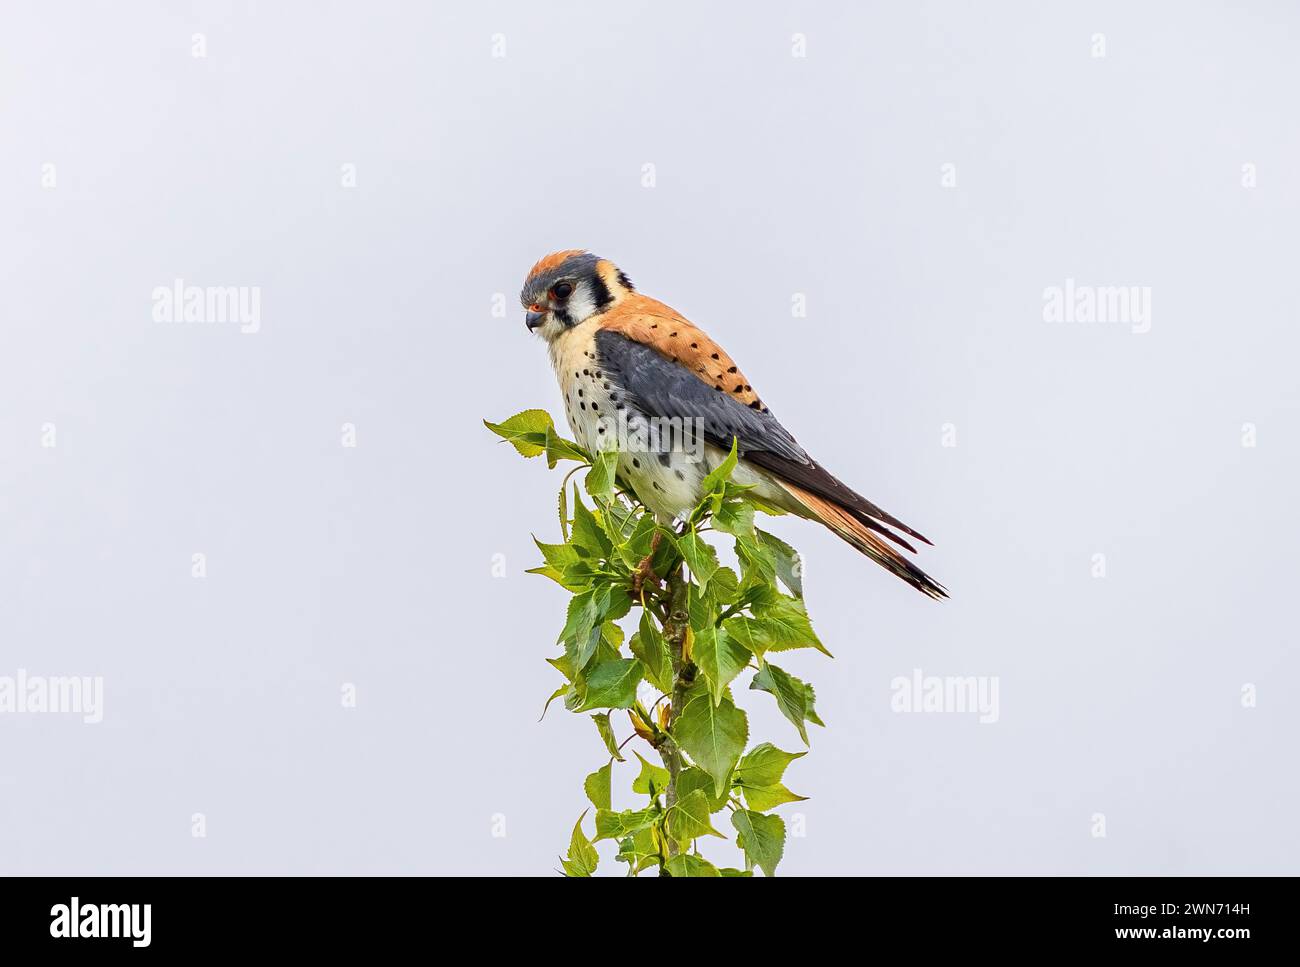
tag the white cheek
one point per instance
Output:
(581, 304)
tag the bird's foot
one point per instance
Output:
(645, 569)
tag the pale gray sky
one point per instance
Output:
(130, 163)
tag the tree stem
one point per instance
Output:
(675, 629)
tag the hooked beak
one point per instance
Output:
(534, 317)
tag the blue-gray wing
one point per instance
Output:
(660, 387)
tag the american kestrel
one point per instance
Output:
(626, 360)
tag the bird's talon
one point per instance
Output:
(644, 572)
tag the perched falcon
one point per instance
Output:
(626, 360)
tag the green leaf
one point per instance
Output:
(719, 475)
(649, 646)
(582, 616)
(583, 651)
(564, 513)
(746, 632)
(554, 695)
(764, 765)
(732, 871)
(666, 556)
(688, 819)
(597, 787)
(559, 578)
(640, 850)
(762, 838)
(562, 665)
(583, 858)
(639, 542)
(757, 561)
(613, 603)
(809, 698)
(712, 735)
(688, 864)
(526, 431)
(588, 623)
(692, 778)
(558, 555)
(762, 798)
(601, 650)
(587, 532)
(702, 611)
(758, 776)
(774, 630)
(557, 448)
(583, 575)
(793, 697)
(612, 825)
(724, 586)
(612, 684)
(719, 657)
(618, 520)
(785, 623)
(700, 557)
(652, 781)
(789, 566)
(735, 517)
(606, 731)
(581, 634)
(600, 479)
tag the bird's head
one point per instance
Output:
(565, 289)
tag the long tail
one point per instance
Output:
(863, 536)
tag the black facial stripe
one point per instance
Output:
(624, 281)
(564, 317)
(600, 292)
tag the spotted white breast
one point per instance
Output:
(665, 475)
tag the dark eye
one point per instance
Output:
(562, 290)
